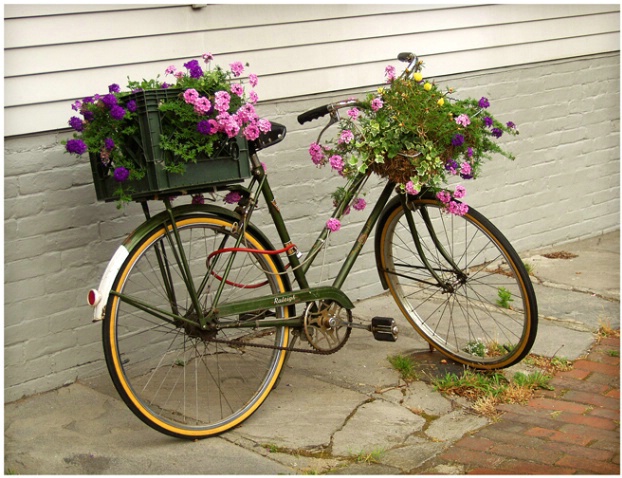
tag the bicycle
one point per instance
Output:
(200, 312)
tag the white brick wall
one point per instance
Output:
(563, 186)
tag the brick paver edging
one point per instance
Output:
(574, 429)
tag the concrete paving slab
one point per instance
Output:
(376, 427)
(455, 425)
(77, 431)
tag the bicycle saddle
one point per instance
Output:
(274, 136)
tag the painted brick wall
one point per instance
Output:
(563, 186)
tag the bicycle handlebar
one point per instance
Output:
(315, 113)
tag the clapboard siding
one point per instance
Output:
(50, 60)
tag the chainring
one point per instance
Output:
(327, 326)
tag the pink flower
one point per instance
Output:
(346, 136)
(389, 72)
(202, 105)
(459, 192)
(237, 68)
(336, 162)
(465, 168)
(253, 98)
(191, 95)
(410, 189)
(376, 104)
(252, 79)
(222, 99)
(251, 132)
(178, 74)
(170, 70)
(333, 224)
(443, 196)
(463, 120)
(354, 113)
(359, 204)
(264, 125)
(237, 89)
(207, 57)
(457, 209)
(317, 155)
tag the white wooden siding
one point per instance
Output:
(55, 54)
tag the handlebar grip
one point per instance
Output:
(406, 57)
(315, 113)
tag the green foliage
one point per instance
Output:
(504, 298)
(404, 365)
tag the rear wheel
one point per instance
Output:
(464, 289)
(176, 377)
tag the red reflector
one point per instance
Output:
(93, 297)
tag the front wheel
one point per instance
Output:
(176, 377)
(458, 282)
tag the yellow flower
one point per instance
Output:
(441, 102)
(427, 86)
(417, 77)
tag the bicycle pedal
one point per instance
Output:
(384, 328)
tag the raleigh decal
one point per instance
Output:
(284, 300)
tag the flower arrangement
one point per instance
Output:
(204, 107)
(415, 135)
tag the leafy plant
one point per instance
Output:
(417, 135)
(504, 298)
(201, 109)
(404, 365)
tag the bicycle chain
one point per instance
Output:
(275, 347)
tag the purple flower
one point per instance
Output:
(194, 69)
(488, 121)
(452, 166)
(109, 144)
(88, 115)
(237, 68)
(165, 86)
(198, 199)
(76, 123)
(511, 125)
(121, 174)
(483, 102)
(109, 100)
(458, 140)
(76, 146)
(117, 112)
(131, 106)
(204, 127)
(233, 197)
(114, 88)
(497, 133)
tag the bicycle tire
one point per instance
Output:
(485, 314)
(171, 376)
